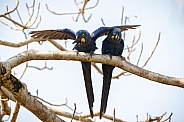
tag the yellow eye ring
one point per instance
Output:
(112, 37)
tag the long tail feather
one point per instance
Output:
(107, 75)
(86, 67)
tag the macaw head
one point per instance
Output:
(114, 35)
(83, 38)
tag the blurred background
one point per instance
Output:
(129, 95)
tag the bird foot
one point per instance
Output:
(109, 55)
(91, 53)
(77, 52)
(122, 58)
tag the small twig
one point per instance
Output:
(93, 6)
(104, 116)
(69, 115)
(8, 12)
(76, 17)
(122, 15)
(16, 23)
(163, 115)
(19, 16)
(79, 12)
(74, 112)
(7, 25)
(118, 75)
(37, 24)
(36, 16)
(96, 67)
(57, 45)
(66, 13)
(147, 116)
(64, 104)
(45, 67)
(137, 118)
(15, 113)
(23, 71)
(87, 19)
(114, 115)
(138, 39)
(28, 12)
(18, 44)
(169, 118)
(30, 15)
(130, 49)
(83, 7)
(21, 26)
(158, 119)
(152, 51)
(140, 54)
(103, 23)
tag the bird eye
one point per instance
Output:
(112, 37)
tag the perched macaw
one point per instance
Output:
(112, 45)
(84, 43)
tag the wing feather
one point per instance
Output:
(104, 30)
(62, 34)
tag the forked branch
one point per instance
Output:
(81, 10)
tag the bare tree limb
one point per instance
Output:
(97, 58)
(57, 45)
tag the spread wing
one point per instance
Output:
(62, 34)
(100, 32)
(126, 27)
(104, 30)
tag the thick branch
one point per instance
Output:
(24, 98)
(105, 59)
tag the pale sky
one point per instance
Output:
(130, 95)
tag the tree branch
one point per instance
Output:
(18, 44)
(97, 58)
(24, 98)
(9, 12)
(15, 113)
